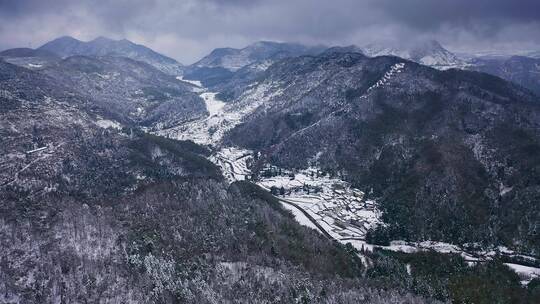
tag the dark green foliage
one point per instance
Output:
(88, 175)
(244, 225)
(176, 146)
(491, 282)
(255, 192)
(524, 179)
(164, 158)
(389, 271)
(379, 236)
(485, 83)
(160, 94)
(209, 76)
(84, 64)
(518, 69)
(225, 97)
(525, 151)
(407, 213)
(432, 271)
(534, 288)
(448, 277)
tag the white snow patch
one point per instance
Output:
(504, 189)
(526, 273)
(193, 82)
(106, 123)
(213, 105)
(395, 69)
(222, 116)
(36, 150)
(300, 217)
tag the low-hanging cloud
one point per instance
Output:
(188, 29)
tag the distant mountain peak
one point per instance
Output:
(102, 46)
(234, 59)
(66, 38)
(266, 43)
(428, 52)
(103, 39)
(344, 49)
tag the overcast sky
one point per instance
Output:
(189, 29)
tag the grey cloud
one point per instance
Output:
(188, 29)
(485, 16)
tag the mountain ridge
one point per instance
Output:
(66, 46)
(427, 52)
(233, 59)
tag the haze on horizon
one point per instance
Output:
(189, 29)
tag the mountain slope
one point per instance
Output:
(133, 92)
(26, 52)
(452, 156)
(524, 71)
(68, 46)
(91, 214)
(234, 59)
(29, 58)
(228, 70)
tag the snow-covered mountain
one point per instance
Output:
(133, 92)
(225, 65)
(234, 59)
(430, 53)
(68, 46)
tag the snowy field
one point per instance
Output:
(526, 273)
(221, 116)
(329, 205)
(195, 83)
(106, 123)
(342, 211)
